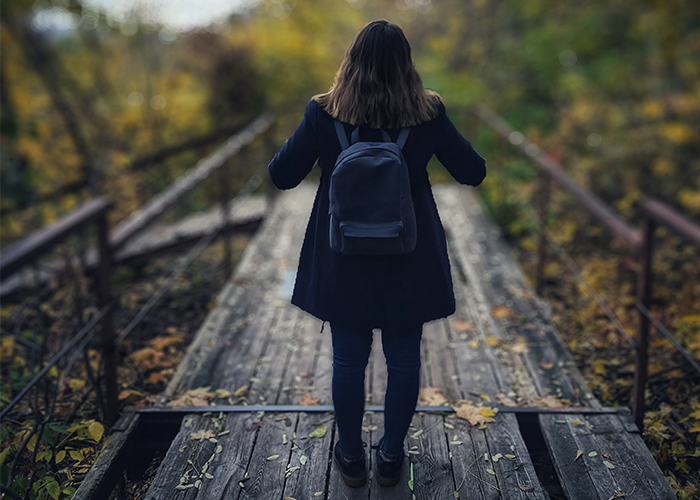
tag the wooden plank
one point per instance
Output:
(311, 475)
(240, 365)
(491, 271)
(190, 460)
(270, 458)
(440, 365)
(109, 464)
(635, 469)
(298, 377)
(432, 468)
(516, 475)
(576, 482)
(265, 384)
(464, 455)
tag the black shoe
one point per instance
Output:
(354, 473)
(388, 471)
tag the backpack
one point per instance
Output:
(371, 207)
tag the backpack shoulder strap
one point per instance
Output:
(340, 131)
(403, 136)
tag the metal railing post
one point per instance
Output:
(542, 210)
(225, 189)
(108, 345)
(644, 297)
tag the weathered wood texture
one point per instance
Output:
(499, 347)
(159, 238)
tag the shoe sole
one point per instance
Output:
(387, 481)
(354, 482)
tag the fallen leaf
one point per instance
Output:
(551, 402)
(474, 415)
(490, 471)
(505, 400)
(578, 455)
(307, 400)
(501, 312)
(526, 488)
(223, 393)
(272, 457)
(202, 434)
(546, 366)
(617, 494)
(254, 426)
(201, 396)
(492, 341)
(608, 464)
(520, 346)
(460, 325)
(319, 432)
(240, 391)
(303, 459)
(431, 396)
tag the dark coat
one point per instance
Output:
(373, 291)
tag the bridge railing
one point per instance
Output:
(638, 243)
(28, 250)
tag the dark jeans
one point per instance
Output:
(351, 348)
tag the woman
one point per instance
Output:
(376, 87)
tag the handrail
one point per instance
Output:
(677, 222)
(639, 243)
(29, 248)
(591, 202)
(142, 218)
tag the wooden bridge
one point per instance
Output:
(257, 381)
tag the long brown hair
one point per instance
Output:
(377, 84)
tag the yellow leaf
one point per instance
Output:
(578, 455)
(501, 312)
(492, 341)
(96, 430)
(487, 412)
(76, 383)
(60, 456)
(202, 434)
(75, 455)
(474, 415)
(319, 432)
(31, 445)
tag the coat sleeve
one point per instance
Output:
(298, 155)
(458, 155)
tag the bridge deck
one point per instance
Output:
(499, 347)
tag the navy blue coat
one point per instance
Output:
(374, 291)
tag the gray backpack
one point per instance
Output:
(371, 207)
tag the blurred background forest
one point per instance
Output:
(121, 98)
